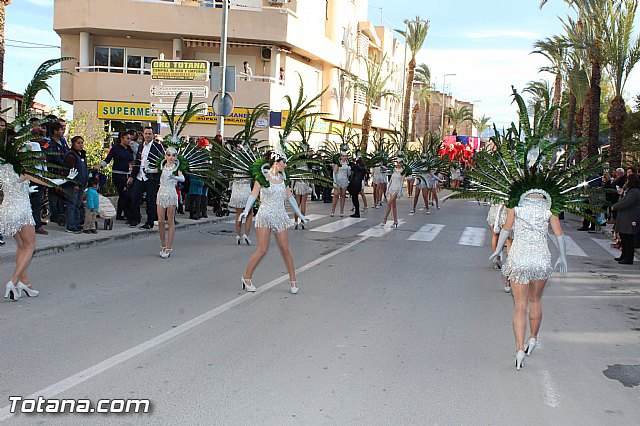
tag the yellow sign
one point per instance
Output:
(136, 111)
(180, 70)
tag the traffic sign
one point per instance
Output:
(172, 91)
(156, 108)
(225, 107)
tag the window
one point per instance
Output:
(112, 59)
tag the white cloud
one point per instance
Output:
(485, 75)
(44, 3)
(483, 34)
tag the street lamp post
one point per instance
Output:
(444, 80)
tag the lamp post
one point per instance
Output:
(444, 80)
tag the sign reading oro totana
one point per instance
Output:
(137, 111)
(179, 70)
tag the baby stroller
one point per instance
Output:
(106, 211)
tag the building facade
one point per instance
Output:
(431, 118)
(321, 43)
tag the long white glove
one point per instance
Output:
(33, 189)
(177, 178)
(562, 254)
(335, 181)
(296, 209)
(502, 239)
(247, 208)
(72, 174)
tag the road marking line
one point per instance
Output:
(427, 233)
(338, 225)
(606, 244)
(101, 367)
(573, 249)
(472, 237)
(380, 230)
(550, 394)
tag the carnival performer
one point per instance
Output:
(432, 184)
(394, 191)
(240, 191)
(535, 186)
(495, 219)
(301, 190)
(422, 187)
(341, 173)
(376, 178)
(272, 217)
(167, 200)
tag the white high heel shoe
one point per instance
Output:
(532, 344)
(294, 287)
(162, 249)
(11, 292)
(30, 292)
(246, 239)
(520, 359)
(247, 285)
(238, 239)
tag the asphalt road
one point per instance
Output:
(390, 327)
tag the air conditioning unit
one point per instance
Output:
(265, 54)
(278, 2)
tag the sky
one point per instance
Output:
(487, 44)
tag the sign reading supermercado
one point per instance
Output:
(179, 70)
(135, 111)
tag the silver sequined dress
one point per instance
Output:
(422, 181)
(272, 213)
(342, 177)
(15, 210)
(529, 258)
(167, 195)
(240, 191)
(300, 187)
(493, 215)
(395, 184)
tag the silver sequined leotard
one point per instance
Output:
(395, 184)
(529, 258)
(493, 215)
(167, 195)
(272, 213)
(342, 177)
(240, 191)
(15, 210)
(300, 187)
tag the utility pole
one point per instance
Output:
(223, 65)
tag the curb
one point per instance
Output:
(134, 234)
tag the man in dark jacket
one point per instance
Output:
(358, 173)
(145, 179)
(76, 158)
(55, 148)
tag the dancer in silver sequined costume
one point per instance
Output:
(341, 173)
(167, 200)
(240, 191)
(394, 191)
(272, 217)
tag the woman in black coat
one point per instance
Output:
(358, 173)
(628, 211)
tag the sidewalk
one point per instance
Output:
(59, 240)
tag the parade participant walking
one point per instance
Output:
(422, 187)
(341, 173)
(240, 191)
(356, 179)
(496, 218)
(432, 183)
(272, 217)
(394, 191)
(167, 200)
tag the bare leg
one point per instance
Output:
(161, 231)
(264, 236)
(535, 307)
(343, 198)
(494, 241)
(364, 197)
(336, 194)
(238, 221)
(26, 238)
(434, 195)
(303, 203)
(392, 201)
(386, 212)
(247, 224)
(425, 198)
(520, 302)
(415, 198)
(171, 213)
(384, 192)
(283, 243)
(375, 193)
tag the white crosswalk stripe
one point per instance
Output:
(573, 249)
(606, 244)
(472, 236)
(338, 225)
(427, 233)
(380, 230)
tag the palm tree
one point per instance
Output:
(482, 125)
(414, 36)
(459, 115)
(3, 4)
(578, 85)
(423, 94)
(554, 49)
(622, 54)
(373, 88)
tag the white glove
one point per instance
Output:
(247, 209)
(33, 189)
(72, 174)
(502, 239)
(177, 178)
(562, 254)
(296, 209)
